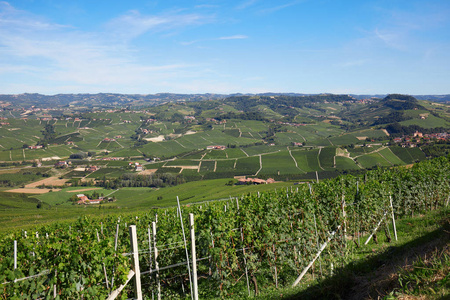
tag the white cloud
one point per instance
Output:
(223, 38)
(134, 24)
(352, 63)
(234, 37)
(279, 7)
(246, 4)
(61, 58)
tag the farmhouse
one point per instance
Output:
(83, 199)
(216, 147)
(61, 164)
(92, 168)
(35, 147)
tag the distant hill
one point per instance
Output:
(123, 100)
(102, 99)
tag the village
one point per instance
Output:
(417, 139)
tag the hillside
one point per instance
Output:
(278, 136)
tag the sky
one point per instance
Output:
(225, 46)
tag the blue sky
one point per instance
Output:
(215, 46)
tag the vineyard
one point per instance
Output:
(243, 245)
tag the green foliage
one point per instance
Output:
(273, 227)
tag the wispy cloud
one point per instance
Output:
(222, 38)
(134, 24)
(233, 37)
(391, 38)
(352, 63)
(246, 4)
(279, 7)
(64, 57)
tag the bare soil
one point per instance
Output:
(32, 190)
(54, 181)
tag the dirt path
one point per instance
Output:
(318, 159)
(55, 181)
(374, 151)
(32, 190)
(293, 158)
(244, 152)
(260, 165)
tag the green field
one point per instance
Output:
(391, 157)
(280, 163)
(307, 160)
(372, 160)
(62, 197)
(408, 155)
(248, 165)
(344, 163)
(326, 157)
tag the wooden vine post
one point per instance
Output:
(185, 247)
(316, 257)
(375, 229)
(135, 262)
(194, 257)
(155, 250)
(393, 217)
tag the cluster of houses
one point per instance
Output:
(34, 147)
(109, 140)
(83, 199)
(62, 164)
(147, 121)
(291, 124)
(91, 168)
(146, 131)
(418, 137)
(216, 121)
(216, 147)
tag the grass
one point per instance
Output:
(430, 122)
(25, 215)
(62, 197)
(417, 266)
(13, 201)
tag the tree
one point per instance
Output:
(48, 133)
